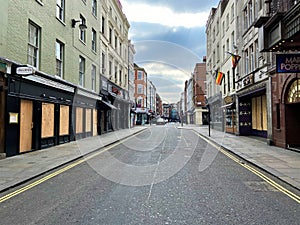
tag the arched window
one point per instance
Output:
(294, 92)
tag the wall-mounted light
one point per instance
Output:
(82, 26)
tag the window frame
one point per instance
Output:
(94, 40)
(82, 32)
(60, 59)
(94, 8)
(60, 10)
(93, 77)
(81, 71)
(33, 59)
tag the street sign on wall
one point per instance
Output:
(288, 63)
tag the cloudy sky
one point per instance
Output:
(169, 39)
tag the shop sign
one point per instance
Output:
(288, 63)
(25, 70)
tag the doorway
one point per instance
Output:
(26, 125)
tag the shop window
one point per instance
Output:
(259, 113)
(294, 92)
(47, 120)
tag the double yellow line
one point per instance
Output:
(255, 171)
(54, 174)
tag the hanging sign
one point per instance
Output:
(288, 63)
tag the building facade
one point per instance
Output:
(214, 92)
(280, 27)
(52, 68)
(140, 95)
(258, 98)
(201, 111)
(114, 57)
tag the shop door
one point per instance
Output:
(293, 125)
(26, 125)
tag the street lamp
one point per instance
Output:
(82, 26)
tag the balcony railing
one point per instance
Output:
(281, 6)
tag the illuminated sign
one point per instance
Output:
(287, 63)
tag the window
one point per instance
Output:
(232, 41)
(245, 19)
(33, 44)
(103, 25)
(250, 13)
(110, 69)
(140, 89)
(59, 50)
(232, 12)
(81, 70)
(82, 31)
(227, 21)
(223, 28)
(110, 35)
(218, 53)
(116, 41)
(227, 45)
(228, 80)
(94, 40)
(140, 75)
(93, 76)
(103, 63)
(116, 73)
(252, 58)
(246, 61)
(256, 54)
(60, 13)
(94, 7)
(120, 76)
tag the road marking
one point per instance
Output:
(253, 170)
(64, 169)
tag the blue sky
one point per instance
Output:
(169, 39)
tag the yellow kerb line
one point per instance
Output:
(253, 170)
(54, 174)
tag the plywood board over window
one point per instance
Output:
(26, 124)
(47, 120)
(95, 122)
(264, 113)
(79, 119)
(88, 120)
(64, 120)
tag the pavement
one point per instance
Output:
(282, 163)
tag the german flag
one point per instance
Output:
(219, 78)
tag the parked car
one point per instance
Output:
(160, 121)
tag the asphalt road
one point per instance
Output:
(163, 175)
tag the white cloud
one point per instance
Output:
(168, 80)
(162, 15)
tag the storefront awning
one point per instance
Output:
(109, 105)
